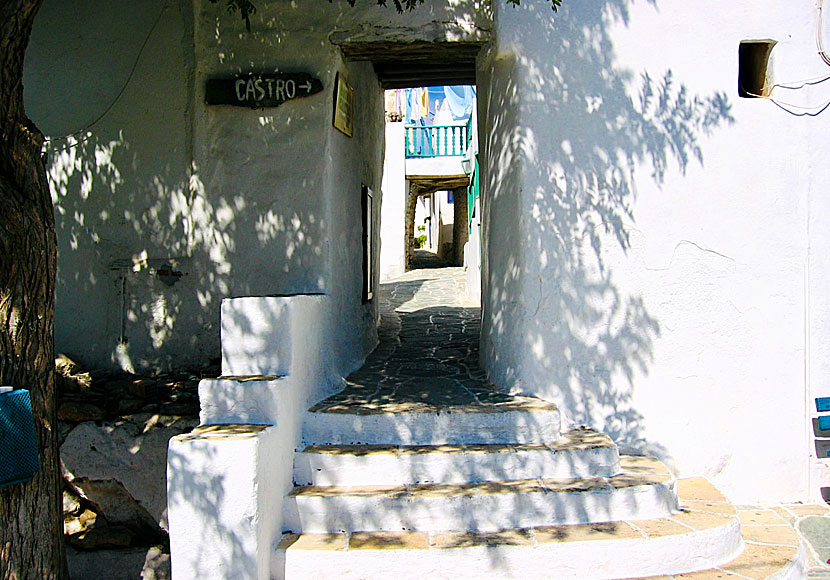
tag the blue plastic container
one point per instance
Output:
(18, 444)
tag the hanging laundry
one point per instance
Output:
(413, 105)
(390, 104)
(393, 104)
(424, 102)
(460, 99)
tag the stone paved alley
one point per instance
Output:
(427, 356)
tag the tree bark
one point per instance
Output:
(31, 534)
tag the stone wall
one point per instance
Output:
(114, 431)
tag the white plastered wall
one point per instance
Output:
(677, 303)
(116, 78)
(239, 202)
(234, 200)
(395, 188)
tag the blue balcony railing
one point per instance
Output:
(437, 140)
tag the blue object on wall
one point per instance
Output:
(18, 444)
(824, 422)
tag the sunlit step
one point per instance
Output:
(644, 490)
(522, 420)
(579, 453)
(684, 542)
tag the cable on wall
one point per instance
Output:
(820, 34)
(117, 96)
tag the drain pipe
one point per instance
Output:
(123, 338)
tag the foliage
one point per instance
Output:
(247, 8)
(409, 5)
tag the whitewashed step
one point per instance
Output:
(644, 490)
(684, 542)
(579, 453)
(523, 420)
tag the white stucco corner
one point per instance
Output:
(261, 335)
(223, 514)
(235, 400)
(393, 204)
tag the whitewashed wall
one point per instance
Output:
(120, 185)
(292, 180)
(660, 270)
(239, 202)
(393, 224)
(678, 303)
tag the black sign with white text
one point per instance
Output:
(258, 91)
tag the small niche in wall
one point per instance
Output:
(753, 68)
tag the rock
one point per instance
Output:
(120, 564)
(72, 378)
(76, 412)
(156, 565)
(111, 498)
(102, 538)
(64, 429)
(180, 408)
(65, 365)
(129, 406)
(71, 503)
(120, 466)
(147, 389)
(77, 524)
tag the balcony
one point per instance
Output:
(435, 151)
(423, 141)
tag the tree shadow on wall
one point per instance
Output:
(586, 338)
(145, 250)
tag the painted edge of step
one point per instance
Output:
(646, 489)
(579, 453)
(514, 426)
(688, 542)
(773, 549)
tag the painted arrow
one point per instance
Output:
(260, 90)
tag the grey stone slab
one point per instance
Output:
(427, 358)
(816, 531)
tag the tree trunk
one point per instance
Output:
(31, 534)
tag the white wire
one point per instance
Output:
(805, 113)
(800, 107)
(820, 34)
(117, 97)
(813, 111)
(800, 84)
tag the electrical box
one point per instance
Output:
(18, 444)
(753, 68)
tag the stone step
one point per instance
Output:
(701, 542)
(579, 453)
(684, 542)
(772, 548)
(645, 489)
(517, 420)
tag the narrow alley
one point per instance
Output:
(427, 356)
